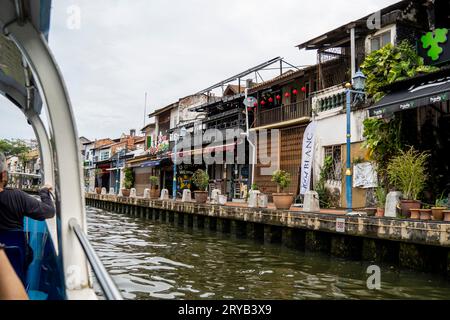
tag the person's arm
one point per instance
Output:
(11, 288)
(39, 210)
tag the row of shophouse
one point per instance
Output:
(288, 103)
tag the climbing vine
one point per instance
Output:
(383, 142)
(391, 64)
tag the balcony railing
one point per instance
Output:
(329, 99)
(284, 113)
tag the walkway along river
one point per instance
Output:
(156, 260)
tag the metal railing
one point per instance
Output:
(104, 279)
(284, 113)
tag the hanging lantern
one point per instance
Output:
(278, 97)
(249, 109)
(287, 95)
(295, 92)
(303, 89)
(255, 104)
(263, 102)
(270, 99)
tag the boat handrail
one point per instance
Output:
(106, 283)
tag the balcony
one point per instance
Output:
(284, 113)
(330, 100)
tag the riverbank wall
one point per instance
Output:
(417, 245)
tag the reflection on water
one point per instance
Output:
(153, 260)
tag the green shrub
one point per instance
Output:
(391, 64)
(282, 179)
(380, 193)
(201, 179)
(154, 181)
(407, 172)
(129, 179)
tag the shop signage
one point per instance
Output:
(340, 225)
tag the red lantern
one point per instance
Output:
(278, 97)
(270, 99)
(287, 95)
(263, 102)
(249, 109)
(303, 89)
(295, 91)
(255, 104)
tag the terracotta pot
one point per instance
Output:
(126, 192)
(446, 215)
(283, 201)
(380, 212)
(371, 212)
(407, 205)
(425, 214)
(154, 193)
(98, 190)
(438, 213)
(201, 196)
(415, 214)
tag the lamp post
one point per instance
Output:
(359, 82)
(183, 132)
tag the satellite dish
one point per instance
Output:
(250, 102)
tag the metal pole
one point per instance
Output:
(353, 50)
(348, 173)
(174, 184)
(104, 279)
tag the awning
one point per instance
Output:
(417, 95)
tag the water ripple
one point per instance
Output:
(152, 260)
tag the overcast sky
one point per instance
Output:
(171, 49)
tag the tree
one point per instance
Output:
(11, 148)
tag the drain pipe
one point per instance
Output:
(253, 146)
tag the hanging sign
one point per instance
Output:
(307, 157)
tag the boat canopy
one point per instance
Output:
(31, 80)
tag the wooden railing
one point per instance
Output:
(284, 113)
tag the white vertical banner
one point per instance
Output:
(307, 157)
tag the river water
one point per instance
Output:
(153, 260)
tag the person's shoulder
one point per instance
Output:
(15, 193)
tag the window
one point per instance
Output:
(334, 153)
(104, 155)
(378, 41)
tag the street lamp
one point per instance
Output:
(359, 83)
(176, 137)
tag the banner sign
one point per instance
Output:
(307, 157)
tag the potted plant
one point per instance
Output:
(201, 180)
(154, 187)
(282, 201)
(255, 187)
(414, 214)
(425, 213)
(446, 215)
(98, 173)
(407, 172)
(127, 182)
(381, 201)
(438, 210)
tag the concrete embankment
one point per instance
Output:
(418, 245)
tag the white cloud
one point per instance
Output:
(174, 48)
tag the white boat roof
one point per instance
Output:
(13, 82)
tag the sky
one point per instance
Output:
(111, 52)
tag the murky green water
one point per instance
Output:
(152, 260)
